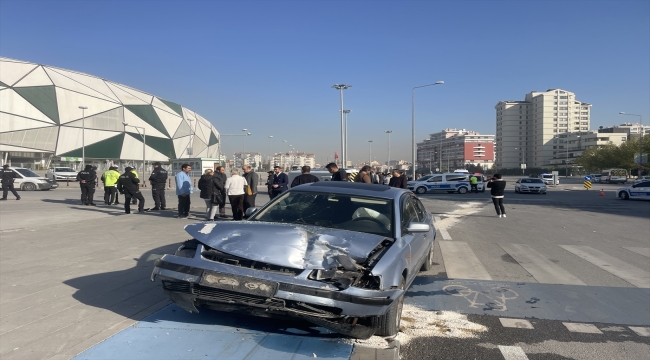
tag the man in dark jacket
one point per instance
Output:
(220, 174)
(280, 182)
(8, 177)
(497, 189)
(363, 176)
(398, 180)
(252, 180)
(158, 179)
(337, 175)
(128, 185)
(86, 178)
(304, 178)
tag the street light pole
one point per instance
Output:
(270, 155)
(346, 112)
(370, 159)
(413, 123)
(388, 132)
(640, 138)
(340, 88)
(83, 136)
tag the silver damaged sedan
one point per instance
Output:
(340, 255)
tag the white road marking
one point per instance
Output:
(641, 331)
(444, 233)
(461, 262)
(512, 353)
(436, 219)
(542, 269)
(516, 323)
(639, 250)
(582, 328)
(633, 275)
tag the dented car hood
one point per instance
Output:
(294, 246)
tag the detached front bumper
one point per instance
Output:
(198, 282)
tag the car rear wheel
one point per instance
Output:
(428, 262)
(388, 324)
(421, 190)
(29, 187)
(462, 190)
(624, 195)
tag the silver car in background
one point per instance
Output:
(61, 174)
(340, 255)
(530, 185)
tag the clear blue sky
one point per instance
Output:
(268, 65)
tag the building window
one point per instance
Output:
(563, 97)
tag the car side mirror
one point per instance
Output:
(417, 227)
(250, 211)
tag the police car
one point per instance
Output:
(638, 191)
(449, 182)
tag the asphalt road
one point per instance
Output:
(71, 276)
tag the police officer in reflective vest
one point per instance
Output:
(128, 185)
(86, 179)
(158, 179)
(8, 177)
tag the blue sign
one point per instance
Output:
(587, 178)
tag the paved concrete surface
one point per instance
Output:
(72, 276)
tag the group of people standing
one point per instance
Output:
(366, 175)
(240, 189)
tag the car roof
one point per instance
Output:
(350, 188)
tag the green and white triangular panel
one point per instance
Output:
(198, 147)
(9, 122)
(109, 148)
(38, 77)
(67, 83)
(181, 146)
(133, 92)
(19, 149)
(11, 72)
(43, 98)
(12, 103)
(171, 122)
(40, 139)
(201, 132)
(168, 106)
(125, 97)
(132, 119)
(213, 151)
(183, 130)
(189, 115)
(70, 138)
(69, 102)
(132, 150)
(92, 82)
(109, 120)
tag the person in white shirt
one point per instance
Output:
(235, 191)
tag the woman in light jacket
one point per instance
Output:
(235, 191)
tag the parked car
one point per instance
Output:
(530, 185)
(638, 191)
(641, 179)
(595, 178)
(449, 182)
(613, 176)
(29, 180)
(61, 174)
(340, 255)
(550, 179)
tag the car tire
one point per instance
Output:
(388, 324)
(483, 190)
(421, 190)
(516, 191)
(428, 263)
(29, 187)
(462, 190)
(624, 195)
(188, 249)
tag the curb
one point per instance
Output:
(368, 353)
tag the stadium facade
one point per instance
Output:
(41, 121)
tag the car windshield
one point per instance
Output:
(64, 170)
(532, 181)
(425, 178)
(347, 212)
(27, 173)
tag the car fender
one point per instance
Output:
(393, 263)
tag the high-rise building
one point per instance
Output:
(453, 148)
(253, 159)
(289, 160)
(526, 129)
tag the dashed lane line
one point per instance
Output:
(512, 353)
(639, 250)
(582, 328)
(461, 262)
(516, 323)
(542, 269)
(641, 331)
(443, 231)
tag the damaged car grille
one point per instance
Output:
(177, 286)
(218, 256)
(233, 297)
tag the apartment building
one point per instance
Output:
(567, 147)
(254, 159)
(454, 148)
(525, 130)
(288, 160)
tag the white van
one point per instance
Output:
(449, 182)
(614, 176)
(550, 179)
(321, 174)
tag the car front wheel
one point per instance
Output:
(428, 262)
(421, 190)
(388, 324)
(624, 195)
(29, 187)
(462, 190)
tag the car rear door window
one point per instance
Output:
(451, 178)
(435, 179)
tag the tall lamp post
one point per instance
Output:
(388, 132)
(413, 123)
(640, 138)
(340, 88)
(346, 112)
(144, 145)
(83, 136)
(270, 155)
(246, 133)
(370, 159)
